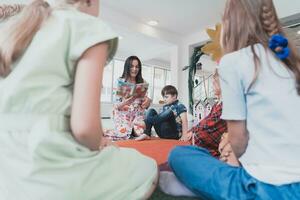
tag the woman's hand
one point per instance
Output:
(128, 101)
(125, 102)
(146, 102)
(186, 137)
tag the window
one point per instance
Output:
(156, 77)
(168, 77)
(147, 73)
(159, 83)
(118, 70)
(106, 83)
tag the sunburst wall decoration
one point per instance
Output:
(213, 48)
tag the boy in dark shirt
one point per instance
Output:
(171, 122)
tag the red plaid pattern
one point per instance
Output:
(208, 132)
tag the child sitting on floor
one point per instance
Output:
(171, 122)
(260, 81)
(211, 134)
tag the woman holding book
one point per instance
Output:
(129, 106)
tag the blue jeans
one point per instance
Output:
(164, 124)
(210, 178)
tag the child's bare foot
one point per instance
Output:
(138, 128)
(142, 137)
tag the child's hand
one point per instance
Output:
(224, 141)
(227, 155)
(105, 142)
(186, 137)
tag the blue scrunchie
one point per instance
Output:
(278, 40)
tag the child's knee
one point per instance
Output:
(176, 155)
(181, 153)
(151, 111)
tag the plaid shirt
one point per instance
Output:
(208, 132)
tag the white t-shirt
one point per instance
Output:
(271, 108)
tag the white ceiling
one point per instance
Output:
(177, 20)
(178, 16)
(145, 47)
(184, 17)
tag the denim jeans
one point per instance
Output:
(210, 178)
(164, 124)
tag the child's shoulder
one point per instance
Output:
(73, 14)
(242, 57)
(231, 59)
(181, 106)
(240, 64)
(179, 103)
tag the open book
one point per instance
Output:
(126, 89)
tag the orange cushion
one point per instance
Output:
(155, 148)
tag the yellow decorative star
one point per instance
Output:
(213, 48)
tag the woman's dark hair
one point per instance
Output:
(127, 66)
(169, 89)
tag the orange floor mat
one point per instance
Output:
(155, 148)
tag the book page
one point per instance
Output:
(127, 90)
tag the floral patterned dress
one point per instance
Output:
(129, 118)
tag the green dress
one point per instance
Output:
(39, 157)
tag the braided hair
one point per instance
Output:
(248, 22)
(269, 20)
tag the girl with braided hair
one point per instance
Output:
(52, 57)
(260, 82)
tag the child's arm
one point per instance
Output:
(186, 136)
(238, 136)
(85, 115)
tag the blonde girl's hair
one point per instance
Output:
(248, 22)
(18, 31)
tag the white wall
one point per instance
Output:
(286, 8)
